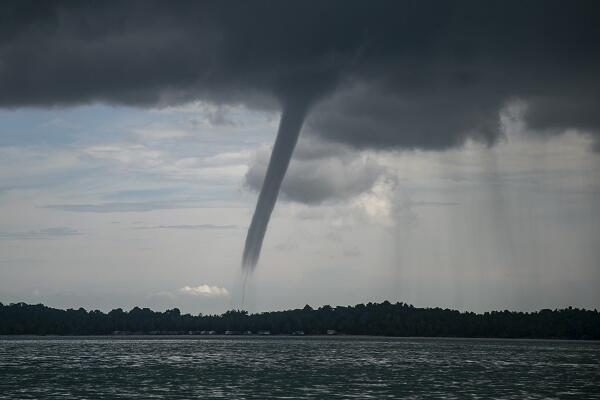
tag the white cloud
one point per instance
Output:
(321, 172)
(242, 156)
(141, 158)
(205, 291)
(47, 233)
(159, 133)
(190, 227)
(128, 154)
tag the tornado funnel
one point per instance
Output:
(292, 118)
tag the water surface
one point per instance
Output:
(296, 368)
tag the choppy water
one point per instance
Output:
(296, 368)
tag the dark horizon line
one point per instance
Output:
(374, 319)
(384, 302)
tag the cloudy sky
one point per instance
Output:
(449, 154)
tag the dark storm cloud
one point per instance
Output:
(412, 74)
(421, 74)
(60, 53)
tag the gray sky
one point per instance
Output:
(146, 202)
(449, 157)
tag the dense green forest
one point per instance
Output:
(385, 318)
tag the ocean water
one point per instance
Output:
(296, 368)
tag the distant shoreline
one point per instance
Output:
(367, 320)
(286, 336)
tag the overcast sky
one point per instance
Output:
(449, 156)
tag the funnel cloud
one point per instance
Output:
(292, 118)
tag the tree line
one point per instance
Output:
(382, 319)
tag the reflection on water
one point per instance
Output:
(296, 368)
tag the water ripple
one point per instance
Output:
(296, 368)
